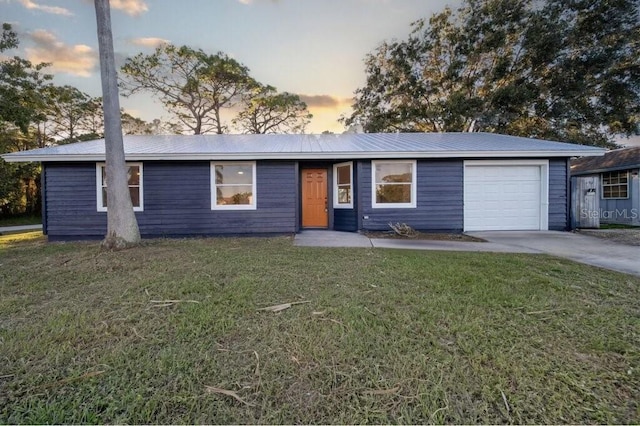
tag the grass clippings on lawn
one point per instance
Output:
(388, 336)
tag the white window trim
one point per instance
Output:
(214, 195)
(544, 184)
(336, 204)
(99, 203)
(414, 185)
(602, 185)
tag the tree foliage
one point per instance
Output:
(35, 113)
(558, 69)
(21, 86)
(192, 85)
(74, 115)
(9, 38)
(267, 111)
(135, 126)
(21, 105)
(19, 183)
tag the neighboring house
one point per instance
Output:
(262, 184)
(606, 189)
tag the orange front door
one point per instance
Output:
(314, 198)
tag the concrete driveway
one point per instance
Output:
(580, 248)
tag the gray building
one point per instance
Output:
(606, 188)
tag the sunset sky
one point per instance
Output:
(314, 48)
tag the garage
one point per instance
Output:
(505, 195)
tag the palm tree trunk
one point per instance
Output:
(122, 226)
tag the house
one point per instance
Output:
(262, 184)
(606, 188)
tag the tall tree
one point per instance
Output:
(193, 85)
(557, 69)
(21, 85)
(75, 115)
(22, 105)
(135, 126)
(268, 111)
(122, 226)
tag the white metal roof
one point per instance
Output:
(301, 147)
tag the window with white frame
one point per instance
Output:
(615, 185)
(343, 185)
(393, 184)
(134, 180)
(233, 185)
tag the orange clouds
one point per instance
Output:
(32, 5)
(325, 101)
(130, 7)
(78, 59)
(326, 110)
(151, 42)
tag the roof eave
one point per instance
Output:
(302, 156)
(606, 169)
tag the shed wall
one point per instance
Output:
(617, 211)
(622, 211)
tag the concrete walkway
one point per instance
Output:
(325, 238)
(447, 245)
(4, 230)
(580, 248)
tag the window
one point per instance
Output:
(393, 184)
(342, 186)
(615, 185)
(233, 186)
(134, 178)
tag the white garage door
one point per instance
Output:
(504, 197)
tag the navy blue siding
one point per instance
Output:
(439, 198)
(558, 195)
(177, 201)
(347, 219)
(70, 201)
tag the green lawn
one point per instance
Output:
(20, 220)
(387, 336)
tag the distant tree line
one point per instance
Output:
(566, 70)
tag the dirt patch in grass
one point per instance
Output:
(425, 236)
(628, 236)
(388, 336)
